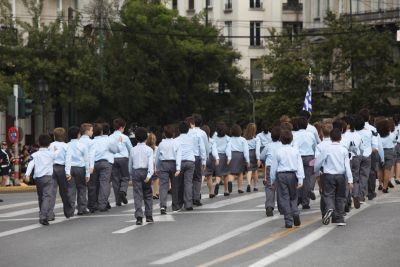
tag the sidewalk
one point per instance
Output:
(17, 189)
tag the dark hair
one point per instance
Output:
(336, 135)
(359, 122)
(59, 134)
(85, 127)
(73, 132)
(250, 131)
(265, 127)
(118, 123)
(106, 128)
(295, 124)
(236, 130)
(364, 113)
(207, 130)
(169, 131)
(327, 129)
(141, 134)
(198, 120)
(184, 127)
(221, 129)
(339, 124)
(305, 114)
(275, 133)
(349, 120)
(286, 126)
(302, 123)
(396, 119)
(383, 128)
(190, 120)
(44, 140)
(97, 129)
(286, 137)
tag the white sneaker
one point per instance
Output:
(327, 217)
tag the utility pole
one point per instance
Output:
(101, 39)
(351, 56)
(206, 12)
(16, 148)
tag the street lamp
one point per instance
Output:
(43, 89)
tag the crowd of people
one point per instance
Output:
(343, 156)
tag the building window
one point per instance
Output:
(209, 3)
(256, 4)
(175, 4)
(228, 4)
(191, 4)
(256, 72)
(228, 32)
(255, 33)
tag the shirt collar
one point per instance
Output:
(44, 149)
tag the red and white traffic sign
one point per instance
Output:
(13, 135)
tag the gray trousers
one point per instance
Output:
(166, 173)
(99, 187)
(334, 194)
(197, 178)
(365, 170)
(120, 177)
(45, 189)
(77, 188)
(287, 195)
(373, 174)
(182, 186)
(355, 170)
(68, 199)
(269, 190)
(142, 192)
(308, 182)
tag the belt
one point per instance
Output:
(187, 161)
(170, 160)
(102, 160)
(288, 172)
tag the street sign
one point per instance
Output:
(13, 135)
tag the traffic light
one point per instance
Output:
(28, 107)
(24, 107)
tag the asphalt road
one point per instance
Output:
(225, 231)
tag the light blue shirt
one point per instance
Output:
(105, 148)
(335, 160)
(77, 156)
(60, 150)
(169, 149)
(269, 151)
(311, 128)
(141, 157)
(212, 147)
(397, 133)
(203, 142)
(223, 144)
(85, 139)
(42, 161)
(126, 144)
(264, 138)
(305, 142)
(374, 134)
(321, 146)
(187, 143)
(287, 159)
(387, 142)
(366, 142)
(352, 142)
(255, 143)
(239, 144)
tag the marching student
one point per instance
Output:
(267, 155)
(287, 170)
(264, 136)
(182, 185)
(396, 120)
(336, 176)
(77, 171)
(120, 172)
(142, 169)
(238, 157)
(222, 142)
(310, 128)
(201, 153)
(168, 164)
(388, 157)
(305, 142)
(254, 145)
(212, 161)
(59, 148)
(43, 161)
(151, 141)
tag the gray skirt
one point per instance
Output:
(210, 166)
(397, 150)
(222, 168)
(238, 163)
(389, 158)
(253, 161)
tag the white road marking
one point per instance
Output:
(303, 242)
(215, 241)
(231, 201)
(164, 218)
(24, 211)
(16, 205)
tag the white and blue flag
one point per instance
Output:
(307, 100)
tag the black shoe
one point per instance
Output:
(296, 220)
(44, 222)
(226, 194)
(306, 207)
(248, 190)
(2, 200)
(356, 202)
(327, 217)
(269, 212)
(189, 209)
(397, 182)
(211, 195)
(156, 197)
(118, 204)
(385, 191)
(230, 187)
(346, 208)
(92, 210)
(197, 203)
(84, 212)
(149, 219)
(390, 184)
(163, 211)
(288, 226)
(108, 205)
(216, 189)
(255, 189)
(122, 196)
(221, 183)
(240, 191)
(103, 210)
(312, 195)
(139, 221)
(370, 197)
(380, 187)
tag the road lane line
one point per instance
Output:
(303, 242)
(231, 201)
(16, 205)
(274, 237)
(215, 241)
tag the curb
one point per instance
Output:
(17, 189)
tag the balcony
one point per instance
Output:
(259, 7)
(292, 6)
(322, 86)
(390, 15)
(259, 86)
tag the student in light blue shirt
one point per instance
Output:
(264, 136)
(254, 145)
(86, 135)
(222, 141)
(396, 120)
(388, 157)
(43, 161)
(212, 161)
